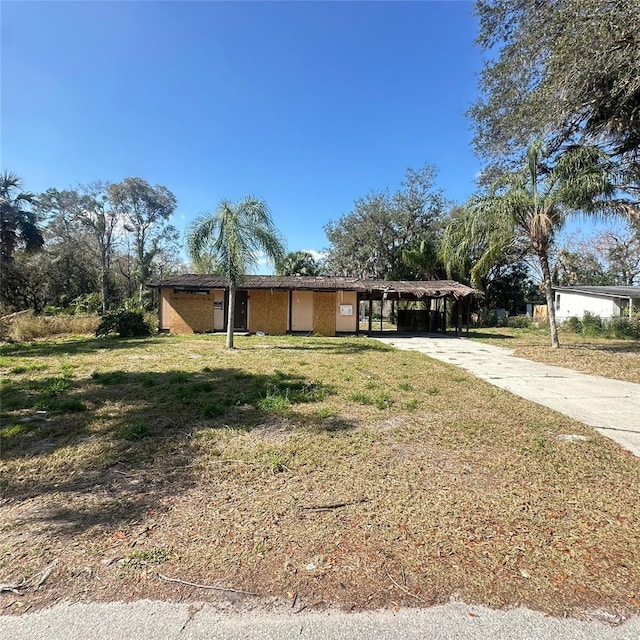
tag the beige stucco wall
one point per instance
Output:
(324, 313)
(187, 312)
(343, 322)
(268, 311)
(302, 311)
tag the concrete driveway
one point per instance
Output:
(611, 406)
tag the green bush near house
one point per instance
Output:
(624, 328)
(593, 326)
(520, 322)
(126, 324)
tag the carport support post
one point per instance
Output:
(468, 312)
(444, 320)
(370, 314)
(459, 325)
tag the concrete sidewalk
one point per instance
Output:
(611, 406)
(146, 620)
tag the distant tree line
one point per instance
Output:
(90, 247)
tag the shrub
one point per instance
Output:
(88, 303)
(126, 324)
(573, 324)
(520, 322)
(624, 328)
(51, 310)
(591, 325)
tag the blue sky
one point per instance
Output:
(309, 105)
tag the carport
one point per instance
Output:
(421, 306)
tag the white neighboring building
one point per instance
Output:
(606, 302)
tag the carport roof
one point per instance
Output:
(375, 288)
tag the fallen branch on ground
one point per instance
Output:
(336, 505)
(205, 586)
(14, 587)
(413, 595)
(35, 581)
(46, 573)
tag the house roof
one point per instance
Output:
(375, 288)
(608, 292)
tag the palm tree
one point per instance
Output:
(17, 224)
(298, 263)
(236, 234)
(524, 210)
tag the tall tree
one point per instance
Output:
(298, 263)
(388, 234)
(85, 215)
(566, 71)
(146, 210)
(562, 69)
(610, 257)
(494, 263)
(621, 254)
(18, 231)
(579, 267)
(18, 226)
(531, 205)
(236, 235)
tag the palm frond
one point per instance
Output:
(234, 237)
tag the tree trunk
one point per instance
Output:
(142, 269)
(231, 316)
(105, 291)
(548, 292)
(104, 281)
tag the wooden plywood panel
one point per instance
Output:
(324, 313)
(302, 311)
(268, 311)
(190, 313)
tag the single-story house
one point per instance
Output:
(605, 302)
(276, 305)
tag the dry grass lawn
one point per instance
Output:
(313, 472)
(617, 359)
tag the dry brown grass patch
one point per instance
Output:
(31, 327)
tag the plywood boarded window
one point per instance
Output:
(302, 311)
(324, 313)
(268, 311)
